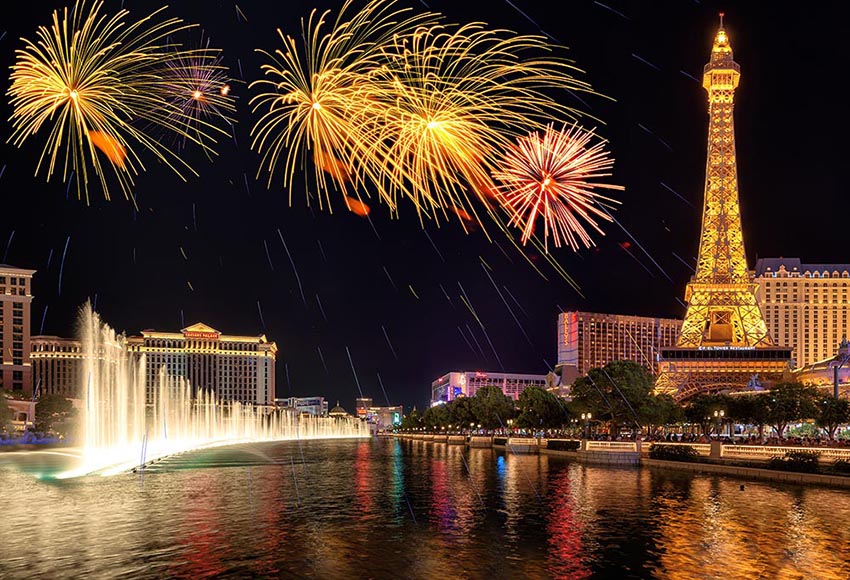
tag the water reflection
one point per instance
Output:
(386, 509)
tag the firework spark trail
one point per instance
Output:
(646, 62)
(2, 36)
(466, 340)
(62, 265)
(49, 259)
(183, 253)
(239, 63)
(68, 191)
(386, 336)
(295, 481)
(676, 193)
(2, 170)
(505, 302)
(8, 245)
(134, 254)
(182, 319)
(390, 278)
(433, 245)
(466, 301)
(606, 7)
(354, 372)
(322, 251)
(689, 266)
(690, 76)
(94, 302)
(322, 358)
(472, 480)
(504, 253)
(268, 255)
(239, 14)
(639, 245)
(660, 140)
(622, 396)
(681, 302)
(43, 318)
(262, 320)
(247, 188)
(294, 269)
(288, 383)
(516, 301)
(446, 294)
(527, 17)
(412, 291)
(477, 344)
(642, 265)
(383, 390)
(321, 309)
(194, 218)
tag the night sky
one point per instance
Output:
(386, 277)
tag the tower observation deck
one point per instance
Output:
(724, 342)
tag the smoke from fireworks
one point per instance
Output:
(551, 175)
(89, 81)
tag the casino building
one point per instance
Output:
(15, 303)
(466, 383)
(235, 368)
(57, 366)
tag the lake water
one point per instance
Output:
(382, 508)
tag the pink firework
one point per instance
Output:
(553, 176)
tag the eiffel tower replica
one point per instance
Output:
(724, 344)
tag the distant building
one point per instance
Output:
(15, 303)
(338, 412)
(466, 383)
(235, 368)
(804, 305)
(378, 417)
(589, 340)
(57, 366)
(316, 406)
(361, 406)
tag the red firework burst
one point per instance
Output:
(552, 175)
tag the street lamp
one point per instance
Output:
(718, 415)
(471, 427)
(511, 425)
(586, 418)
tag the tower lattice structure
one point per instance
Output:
(724, 341)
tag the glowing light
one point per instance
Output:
(551, 175)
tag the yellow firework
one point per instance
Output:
(554, 175)
(91, 81)
(445, 102)
(313, 94)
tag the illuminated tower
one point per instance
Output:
(724, 341)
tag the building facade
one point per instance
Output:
(316, 406)
(805, 305)
(57, 366)
(589, 340)
(466, 383)
(15, 305)
(235, 368)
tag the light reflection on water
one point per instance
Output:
(411, 509)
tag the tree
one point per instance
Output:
(52, 413)
(788, 402)
(538, 408)
(614, 392)
(6, 416)
(701, 408)
(492, 407)
(748, 409)
(436, 417)
(831, 413)
(412, 421)
(461, 412)
(660, 410)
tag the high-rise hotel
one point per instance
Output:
(235, 368)
(15, 302)
(804, 305)
(589, 340)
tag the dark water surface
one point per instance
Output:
(382, 508)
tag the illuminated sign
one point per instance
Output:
(204, 335)
(396, 418)
(726, 348)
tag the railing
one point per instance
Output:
(611, 446)
(703, 449)
(530, 441)
(766, 452)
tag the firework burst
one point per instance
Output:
(445, 100)
(313, 94)
(199, 92)
(90, 80)
(552, 175)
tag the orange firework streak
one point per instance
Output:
(114, 150)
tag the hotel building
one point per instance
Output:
(804, 305)
(589, 340)
(235, 368)
(15, 302)
(466, 383)
(316, 406)
(57, 366)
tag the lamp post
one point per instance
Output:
(471, 427)
(510, 425)
(718, 415)
(586, 418)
